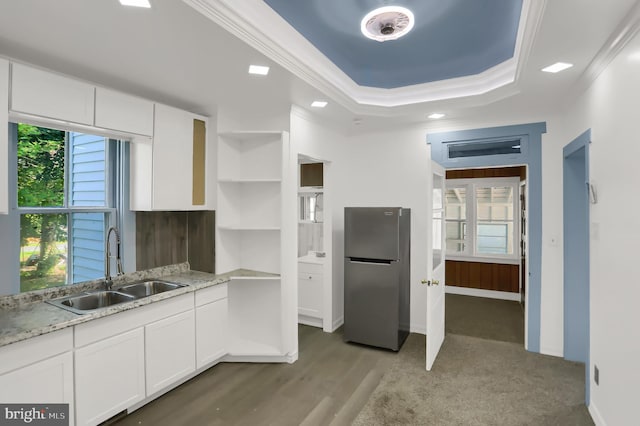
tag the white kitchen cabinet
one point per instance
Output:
(211, 324)
(122, 112)
(4, 137)
(169, 351)
(310, 294)
(109, 376)
(49, 95)
(39, 370)
(175, 164)
(48, 381)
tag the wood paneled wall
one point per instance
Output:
(484, 276)
(167, 238)
(201, 240)
(520, 171)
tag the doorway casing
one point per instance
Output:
(530, 154)
(576, 191)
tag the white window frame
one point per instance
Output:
(469, 253)
(111, 210)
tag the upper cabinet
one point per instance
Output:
(4, 137)
(49, 95)
(169, 172)
(121, 112)
(170, 159)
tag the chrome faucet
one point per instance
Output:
(108, 281)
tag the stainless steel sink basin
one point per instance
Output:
(91, 301)
(84, 303)
(148, 288)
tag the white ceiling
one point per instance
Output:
(173, 54)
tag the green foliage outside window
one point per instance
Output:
(41, 180)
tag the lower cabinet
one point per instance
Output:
(109, 376)
(211, 332)
(48, 381)
(170, 346)
(39, 371)
(310, 293)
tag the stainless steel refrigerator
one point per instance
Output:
(377, 246)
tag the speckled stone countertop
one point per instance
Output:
(27, 315)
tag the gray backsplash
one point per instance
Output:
(167, 238)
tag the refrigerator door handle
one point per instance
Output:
(375, 262)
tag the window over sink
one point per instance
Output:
(67, 197)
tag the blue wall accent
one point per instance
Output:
(452, 38)
(530, 136)
(576, 251)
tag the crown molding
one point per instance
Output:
(618, 40)
(249, 19)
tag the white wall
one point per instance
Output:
(381, 169)
(610, 107)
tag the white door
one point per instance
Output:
(435, 264)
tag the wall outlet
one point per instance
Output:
(596, 374)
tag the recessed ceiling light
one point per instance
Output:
(387, 23)
(258, 70)
(436, 115)
(136, 3)
(319, 104)
(557, 67)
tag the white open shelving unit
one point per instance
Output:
(256, 230)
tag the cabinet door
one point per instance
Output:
(310, 294)
(50, 95)
(109, 377)
(211, 332)
(169, 350)
(48, 381)
(4, 137)
(172, 159)
(125, 113)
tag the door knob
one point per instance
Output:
(424, 282)
(435, 282)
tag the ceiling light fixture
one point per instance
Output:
(258, 70)
(387, 23)
(557, 67)
(319, 104)
(136, 3)
(436, 115)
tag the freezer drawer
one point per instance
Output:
(372, 297)
(372, 233)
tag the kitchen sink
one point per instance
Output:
(148, 288)
(90, 301)
(84, 303)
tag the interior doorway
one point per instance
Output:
(576, 198)
(485, 252)
(315, 291)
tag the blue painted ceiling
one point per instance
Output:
(451, 38)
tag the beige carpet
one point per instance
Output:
(477, 382)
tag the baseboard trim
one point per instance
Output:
(489, 294)
(596, 416)
(311, 321)
(337, 324)
(419, 329)
(289, 358)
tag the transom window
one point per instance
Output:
(480, 217)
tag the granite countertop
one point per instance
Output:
(27, 315)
